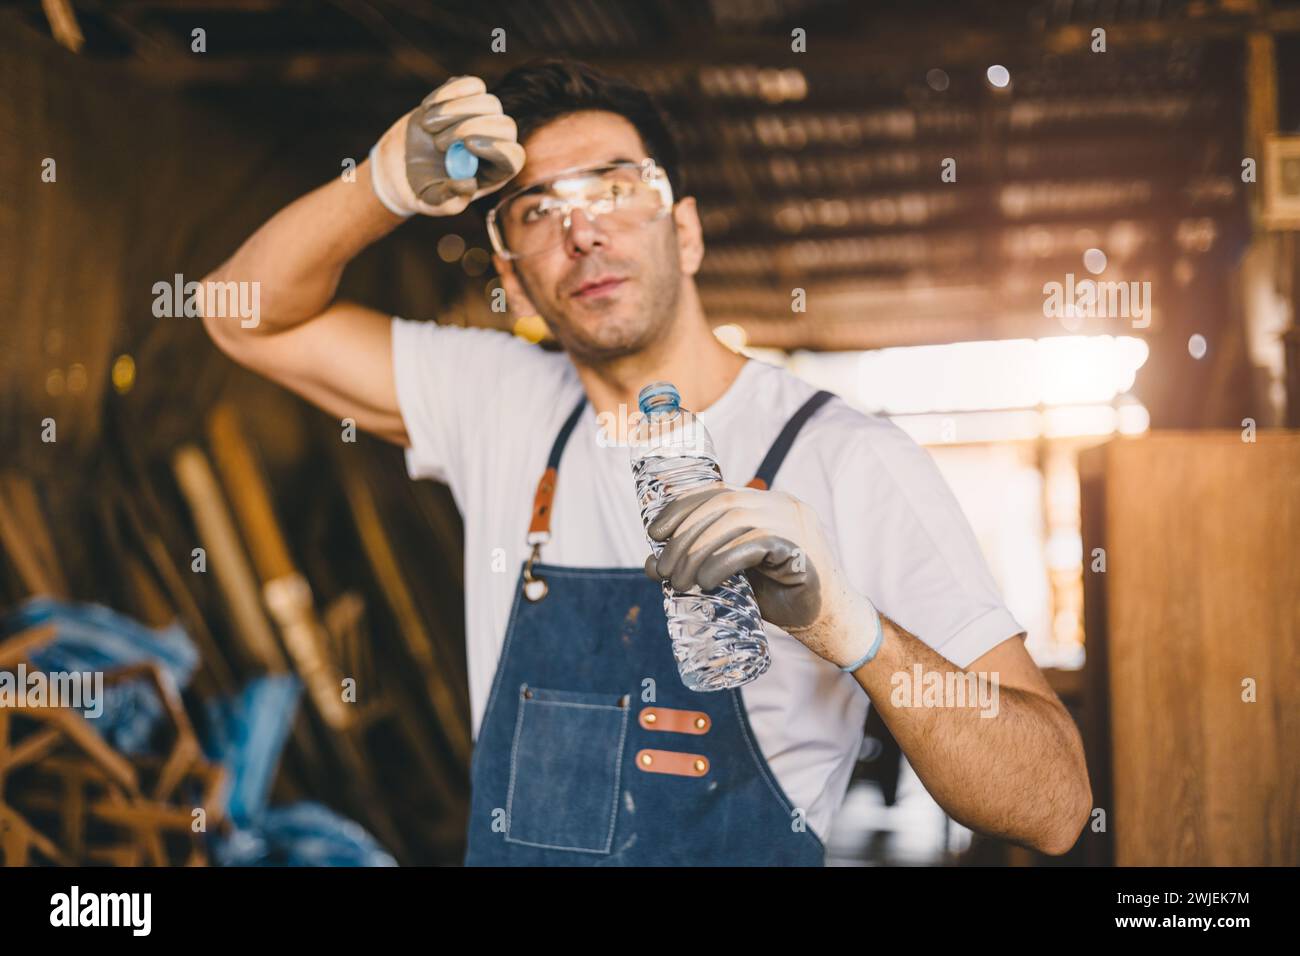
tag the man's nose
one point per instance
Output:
(583, 233)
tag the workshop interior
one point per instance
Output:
(1055, 241)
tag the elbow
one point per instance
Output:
(1074, 808)
(221, 307)
(217, 332)
(1058, 844)
(211, 321)
(212, 326)
(1065, 827)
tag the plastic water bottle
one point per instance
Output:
(717, 635)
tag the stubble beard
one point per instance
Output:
(622, 335)
(626, 332)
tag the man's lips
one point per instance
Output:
(591, 290)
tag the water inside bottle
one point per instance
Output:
(717, 636)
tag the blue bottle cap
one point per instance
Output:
(659, 396)
(460, 162)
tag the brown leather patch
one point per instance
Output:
(674, 720)
(542, 502)
(758, 483)
(672, 761)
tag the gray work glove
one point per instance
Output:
(407, 164)
(778, 542)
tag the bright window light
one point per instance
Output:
(1005, 390)
(975, 376)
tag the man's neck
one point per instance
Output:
(691, 358)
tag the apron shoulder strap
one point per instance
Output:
(539, 530)
(776, 454)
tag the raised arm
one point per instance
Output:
(338, 354)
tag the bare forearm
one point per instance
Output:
(998, 759)
(299, 254)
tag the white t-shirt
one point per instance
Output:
(482, 408)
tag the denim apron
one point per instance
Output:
(592, 752)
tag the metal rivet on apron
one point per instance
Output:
(699, 765)
(651, 717)
(699, 721)
(647, 759)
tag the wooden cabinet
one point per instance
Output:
(1198, 604)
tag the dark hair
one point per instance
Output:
(541, 90)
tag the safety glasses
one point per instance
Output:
(620, 196)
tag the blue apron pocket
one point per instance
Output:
(564, 769)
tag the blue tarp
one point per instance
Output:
(302, 834)
(94, 638)
(254, 725)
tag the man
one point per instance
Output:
(863, 566)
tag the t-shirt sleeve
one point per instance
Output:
(450, 381)
(907, 545)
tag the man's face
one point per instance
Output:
(653, 262)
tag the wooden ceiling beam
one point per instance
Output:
(63, 24)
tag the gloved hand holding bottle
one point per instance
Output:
(408, 165)
(780, 545)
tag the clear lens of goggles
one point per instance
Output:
(618, 197)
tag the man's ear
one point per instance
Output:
(690, 235)
(517, 301)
